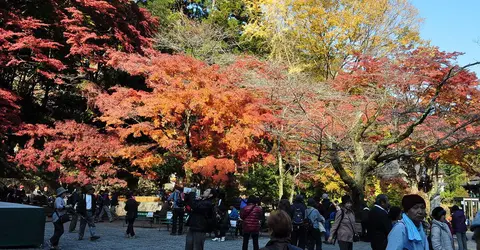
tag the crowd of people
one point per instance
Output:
(303, 224)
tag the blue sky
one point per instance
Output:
(452, 25)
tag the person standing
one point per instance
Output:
(284, 205)
(441, 235)
(409, 233)
(223, 223)
(380, 223)
(178, 199)
(251, 216)
(280, 227)
(114, 204)
(459, 227)
(73, 201)
(343, 227)
(329, 210)
(86, 209)
(201, 220)
(57, 217)
(299, 233)
(365, 225)
(131, 206)
(105, 207)
(314, 236)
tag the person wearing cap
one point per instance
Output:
(409, 233)
(459, 227)
(86, 209)
(441, 235)
(60, 210)
(343, 228)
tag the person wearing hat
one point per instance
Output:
(60, 210)
(459, 227)
(343, 228)
(86, 209)
(409, 233)
(442, 238)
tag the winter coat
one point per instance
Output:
(379, 226)
(279, 244)
(343, 229)
(314, 216)
(202, 216)
(442, 238)
(458, 222)
(251, 216)
(131, 206)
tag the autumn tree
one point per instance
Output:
(416, 103)
(322, 36)
(189, 109)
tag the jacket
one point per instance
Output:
(279, 244)
(343, 229)
(442, 238)
(175, 197)
(234, 214)
(314, 216)
(131, 206)
(398, 239)
(82, 205)
(458, 222)
(251, 216)
(379, 226)
(202, 216)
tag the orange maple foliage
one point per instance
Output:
(190, 109)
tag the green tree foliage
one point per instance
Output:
(261, 182)
(454, 178)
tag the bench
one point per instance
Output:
(167, 220)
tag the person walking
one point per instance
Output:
(105, 207)
(409, 233)
(380, 223)
(201, 220)
(131, 206)
(73, 201)
(314, 236)
(113, 205)
(178, 200)
(328, 212)
(441, 235)
(299, 233)
(86, 210)
(395, 214)
(251, 216)
(284, 205)
(459, 227)
(365, 222)
(280, 228)
(58, 217)
(343, 228)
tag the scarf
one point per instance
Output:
(412, 231)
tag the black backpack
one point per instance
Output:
(298, 216)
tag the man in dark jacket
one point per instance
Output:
(299, 233)
(86, 209)
(73, 201)
(131, 206)
(178, 204)
(105, 207)
(201, 220)
(380, 224)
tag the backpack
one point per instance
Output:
(298, 216)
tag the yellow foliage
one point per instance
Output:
(320, 36)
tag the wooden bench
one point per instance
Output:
(167, 220)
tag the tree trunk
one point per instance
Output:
(281, 178)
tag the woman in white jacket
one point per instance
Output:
(442, 238)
